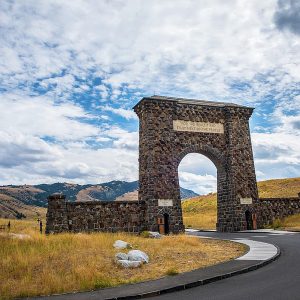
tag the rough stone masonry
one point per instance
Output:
(171, 128)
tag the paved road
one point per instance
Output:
(279, 280)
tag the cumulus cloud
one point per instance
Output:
(287, 16)
(201, 184)
(125, 113)
(198, 173)
(17, 149)
(41, 116)
(62, 60)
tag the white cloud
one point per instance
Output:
(200, 49)
(198, 173)
(125, 113)
(40, 116)
(17, 149)
(212, 50)
(75, 164)
(201, 184)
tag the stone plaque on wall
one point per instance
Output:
(246, 200)
(165, 202)
(207, 127)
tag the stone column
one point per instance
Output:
(240, 172)
(158, 178)
(57, 219)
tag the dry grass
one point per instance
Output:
(70, 262)
(200, 221)
(291, 223)
(276, 188)
(200, 212)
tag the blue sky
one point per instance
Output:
(70, 72)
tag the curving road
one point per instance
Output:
(279, 280)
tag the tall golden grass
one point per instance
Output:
(42, 264)
(291, 222)
(200, 212)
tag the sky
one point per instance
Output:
(71, 71)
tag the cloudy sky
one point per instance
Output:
(70, 72)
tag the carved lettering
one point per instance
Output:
(206, 127)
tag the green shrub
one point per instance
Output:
(277, 223)
(172, 272)
(145, 234)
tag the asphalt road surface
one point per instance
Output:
(278, 280)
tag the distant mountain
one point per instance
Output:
(25, 200)
(185, 193)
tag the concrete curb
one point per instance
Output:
(200, 282)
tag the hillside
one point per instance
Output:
(201, 211)
(14, 209)
(30, 201)
(276, 188)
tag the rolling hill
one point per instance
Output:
(30, 201)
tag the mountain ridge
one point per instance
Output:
(18, 201)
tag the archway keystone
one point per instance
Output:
(171, 128)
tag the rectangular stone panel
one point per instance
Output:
(206, 127)
(246, 200)
(165, 202)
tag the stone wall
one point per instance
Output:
(277, 208)
(109, 216)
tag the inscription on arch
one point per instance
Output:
(206, 127)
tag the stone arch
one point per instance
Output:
(170, 128)
(210, 152)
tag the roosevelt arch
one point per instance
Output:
(171, 128)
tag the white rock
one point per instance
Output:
(154, 235)
(20, 236)
(121, 256)
(137, 255)
(121, 244)
(129, 263)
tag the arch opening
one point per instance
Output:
(198, 173)
(249, 221)
(166, 223)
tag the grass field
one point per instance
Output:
(201, 212)
(43, 264)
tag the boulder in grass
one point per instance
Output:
(20, 236)
(121, 244)
(137, 255)
(155, 235)
(121, 256)
(129, 263)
